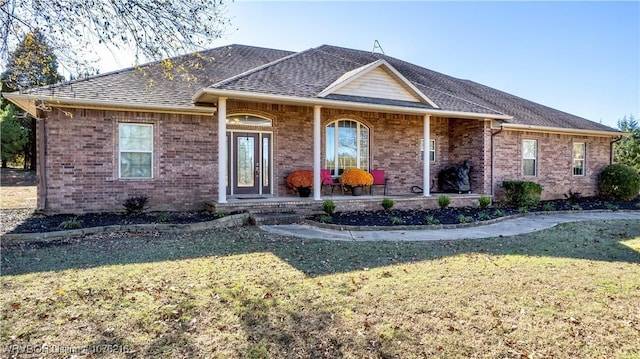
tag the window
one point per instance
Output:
(248, 120)
(579, 151)
(136, 150)
(529, 157)
(432, 150)
(347, 146)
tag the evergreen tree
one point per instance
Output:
(627, 150)
(31, 64)
(13, 135)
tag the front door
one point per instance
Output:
(251, 165)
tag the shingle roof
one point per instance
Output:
(304, 75)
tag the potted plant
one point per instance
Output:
(356, 178)
(301, 181)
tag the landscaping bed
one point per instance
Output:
(466, 214)
(27, 221)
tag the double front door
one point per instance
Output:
(249, 163)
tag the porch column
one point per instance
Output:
(317, 187)
(426, 176)
(222, 150)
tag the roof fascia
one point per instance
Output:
(342, 82)
(559, 130)
(358, 106)
(31, 103)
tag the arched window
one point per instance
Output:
(248, 120)
(347, 146)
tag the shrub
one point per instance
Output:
(612, 207)
(619, 182)
(387, 203)
(548, 206)
(329, 207)
(484, 202)
(430, 219)
(464, 219)
(325, 218)
(71, 223)
(164, 217)
(523, 210)
(484, 216)
(135, 205)
(356, 177)
(397, 220)
(219, 214)
(498, 213)
(522, 193)
(444, 201)
(576, 207)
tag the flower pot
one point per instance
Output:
(356, 191)
(304, 191)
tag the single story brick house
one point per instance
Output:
(242, 118)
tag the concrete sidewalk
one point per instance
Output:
(508, 227)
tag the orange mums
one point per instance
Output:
(356, 177)
(300, 179)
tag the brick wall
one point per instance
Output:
(82, 162)
(555, 162)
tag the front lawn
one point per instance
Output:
(570, 291)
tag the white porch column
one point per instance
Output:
(222, 150)
(426, 176)
(317, 187)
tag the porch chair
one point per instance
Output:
(327, 180)
(379, 180)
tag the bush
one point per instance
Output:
(329, 207)
(484, 202)
(71, 223)
(135, 205)
(387, 203)
(522, 193)
(430, 219)
(464, 219)
(619, 182)
(325, 218)
(444, 201)
(397, 220)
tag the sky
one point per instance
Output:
(579, 57)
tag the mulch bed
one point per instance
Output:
(26, 221)
(453, 215)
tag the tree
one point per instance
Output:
(13, 135)
(154, 28)
(627, 150)
(31, 64)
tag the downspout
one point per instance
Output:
(611, 148)
(493, 158)
(41, 161)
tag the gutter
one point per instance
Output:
(33, 103)
(513, 126)
(317, 101)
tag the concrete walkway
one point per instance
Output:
(505, 228)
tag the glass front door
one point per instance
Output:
(251, 163)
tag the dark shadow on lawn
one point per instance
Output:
(595, 240)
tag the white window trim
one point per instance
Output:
(120, 151)
(583, 159)
(430, 151)
(336, 144)
(535, 158)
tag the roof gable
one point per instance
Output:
(377, 80)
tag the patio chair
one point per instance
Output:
(379, 180)
(327, 180)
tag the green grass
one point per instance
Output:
(570, 291)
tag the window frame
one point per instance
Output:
(583, 160)
(335, 169)
(120, 150)
(535, 158)
(432, 149)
